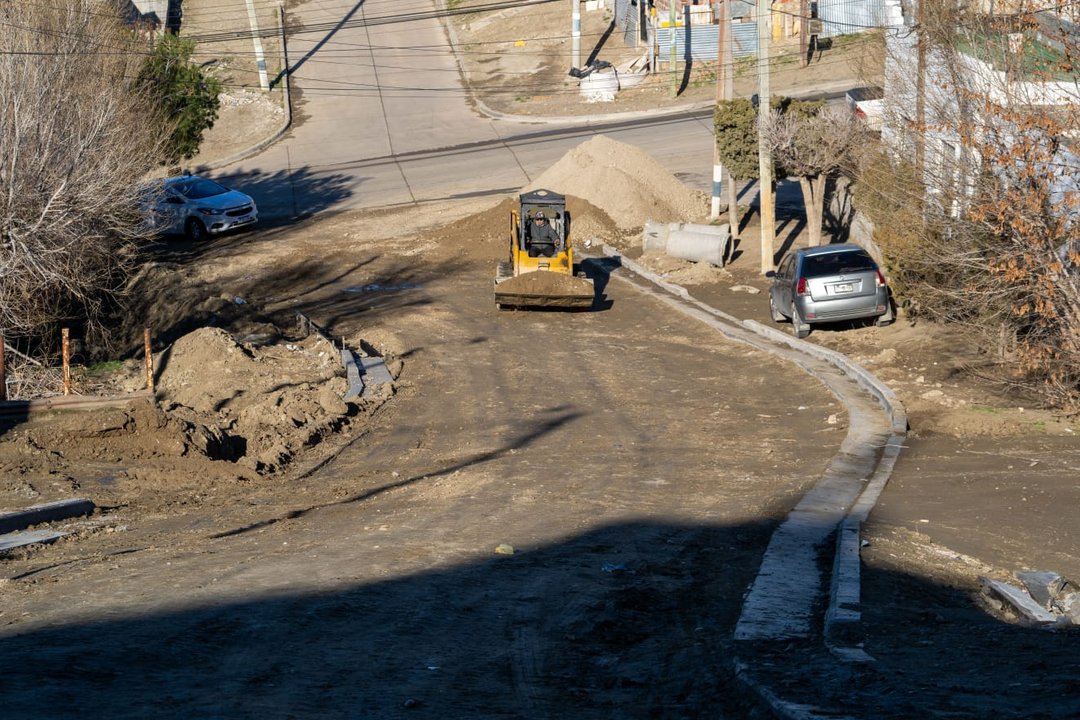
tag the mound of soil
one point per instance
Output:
(271, 401)
(624, 182)
(224, 411)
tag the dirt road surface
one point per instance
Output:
(631, 458)
(633, 461)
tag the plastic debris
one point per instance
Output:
(504, 549)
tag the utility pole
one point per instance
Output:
(766, 203)
(724, 91)
(260, 57)
(804, 27)
(672, 15)
(575, 33)
(920, 92)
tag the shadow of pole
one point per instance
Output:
(318, 46)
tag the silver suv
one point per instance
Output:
(199, 207)
(827, 284)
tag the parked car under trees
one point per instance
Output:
(829, 283)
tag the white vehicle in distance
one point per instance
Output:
(198, 207)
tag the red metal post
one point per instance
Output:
(149, 359)
(65, 334)
(3, 369)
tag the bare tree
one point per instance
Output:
(813, 147)
(986, 106)
(74, 142)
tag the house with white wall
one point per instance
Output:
(936, 100)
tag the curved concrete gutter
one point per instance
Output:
(781, 602)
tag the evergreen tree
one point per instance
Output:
(187, 97)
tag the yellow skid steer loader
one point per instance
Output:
(540, 271)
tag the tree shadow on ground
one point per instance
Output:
(245, 294)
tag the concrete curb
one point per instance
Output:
(601, 118)
(779, 706)
(842, 613)
(13, 520)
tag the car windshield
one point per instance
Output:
(198, 188)
(840, 263)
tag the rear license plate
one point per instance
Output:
(842, 288)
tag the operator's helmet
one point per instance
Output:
(540, 215)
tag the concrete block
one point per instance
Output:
(45, 512)
(352, 373)
(375, 373)
(1018, 600)
(11, 541)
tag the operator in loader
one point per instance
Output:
(544, 239)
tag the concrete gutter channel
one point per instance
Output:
(782, 603)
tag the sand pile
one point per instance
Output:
(625, 182)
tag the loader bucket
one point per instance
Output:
(544, 289)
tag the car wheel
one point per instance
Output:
(888, 318)
(195, 230)
(777, 316)
(801, 328)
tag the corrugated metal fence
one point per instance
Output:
(844, 17)
(839, 17)
(628, 18)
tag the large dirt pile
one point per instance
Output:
(271, 400)
(485, 234)
(625, 182)
(225, 411)
(611, 190)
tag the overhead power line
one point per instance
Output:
(330, 26)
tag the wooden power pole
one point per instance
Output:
(765, 182)
(724, 91)
(672, 18)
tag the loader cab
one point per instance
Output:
(533, 239)
(553, 207)
(540, 271)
